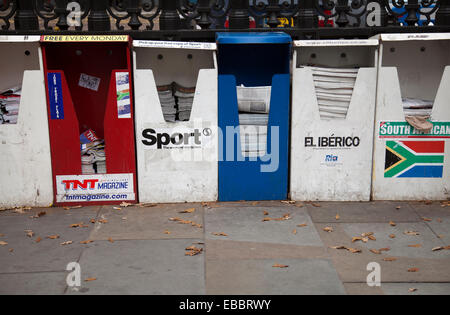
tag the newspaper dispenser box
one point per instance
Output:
(333, 108)
(254, 90)
(412, 163)
(176, 121)
(26, 176)
(90, 114)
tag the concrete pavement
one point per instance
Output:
(141, 250)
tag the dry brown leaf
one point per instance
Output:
(90, 279)
(302, 225)
(437, 248)
(76, 225)
(372, 238)
(279, 266)
(86, 242)
(167, 232)
(316, 205)
(288, 202)
(375, 251)
(190, 210)
(392, 235)
(284, 217)
(38, 240)
(2, 243)
(427, 219)
(390, 259)
(413, 269)
(219, 234)
(92, 221)
(193, 251)
(411, 233)
(391, 223)
(367, 234)
(328, 229)
(73, 207)
(125, 204)
(353, 250)
(415, 245)
(412, 290)
(117, 208)
(386, 249)
(30, 233)
(338, 247)
(110, 240)
(254, 203)
(338, 216)
(428, 202)
(356, 238)
(398, 207)
(447, 247)
(53, 237)
(365, 239)
(294, 231)
(11, 250)
(266, 213)
(66, 243)
(103, 221)
(299, 205)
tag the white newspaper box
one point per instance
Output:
(176, 121)
(333, 104)
(26, 176)
(411, 152)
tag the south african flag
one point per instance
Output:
(414, 159)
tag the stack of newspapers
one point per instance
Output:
(417, 107)
(167, 100)
(9, 106)
(176, 102)
(334, 90)
(93, 158)
(185, 98)
(254, 107)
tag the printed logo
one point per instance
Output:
(402, 129)
(332, 142)
(169, 139)
(414, 159)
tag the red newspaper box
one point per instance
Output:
(90, 111)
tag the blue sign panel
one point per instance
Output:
(55, 95)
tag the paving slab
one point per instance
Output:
(440, 218)
(223, 250)
(352, 267)
(422, 288)
(362, 289)
(135, 223)
(35, 283)
(142, 267)
(361, 212)
(303, 276)
(245, 224)
(46, 255)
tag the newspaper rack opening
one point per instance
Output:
(412, 131)
(333, 108)
(90, 114)
(254, 80)
(24, 142)
(176, 121)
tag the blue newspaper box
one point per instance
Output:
(254, 93)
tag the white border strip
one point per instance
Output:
(20, 39)
(413, 36)
(341, 42)
(178, 45)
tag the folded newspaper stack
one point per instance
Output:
(93, 158)
(334, 90)
(167, 100)
(185, 98)
(254, 107)
(9, 106)
(417, 107)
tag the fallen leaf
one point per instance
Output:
(92, 221)
(11, 250)
(193, 250)
(299, 205)
(427, 219)
(302, 225)
(284, 217)
(413, 269)
(66, 243)
(411, 233)
(437, 248)
(356, 238)
(76, 225)
(145, 205)
(39, 214)
(367, 234)
(447, 247)
(316, 205)
(38, 240)
(124, 218)
(30, 233)
(266, 213)
(1, 235)
(353, 250)
(103, 221)
(110, 240)
(166, 232)
(279, 266)
(190, 210)
(117, 208)
(73, 207)
(328, 229)
(254, 203)
(288, 202)
(86, 242)
(372, 238)
(205, 204)
(398, 207)
(415, 245)
(53, 237)
(392, 223)
(412, 290)
(219, 234)
(294, 231)
(392, 235)
(386, 249)
(2, 243)
(390, 259)
(428, 202)
(90, 279)
(439, 220)
(375, 251)
(365, 239)
(125, 204)
(338, 216)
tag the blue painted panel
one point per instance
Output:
(253, 38)
(424, 171)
